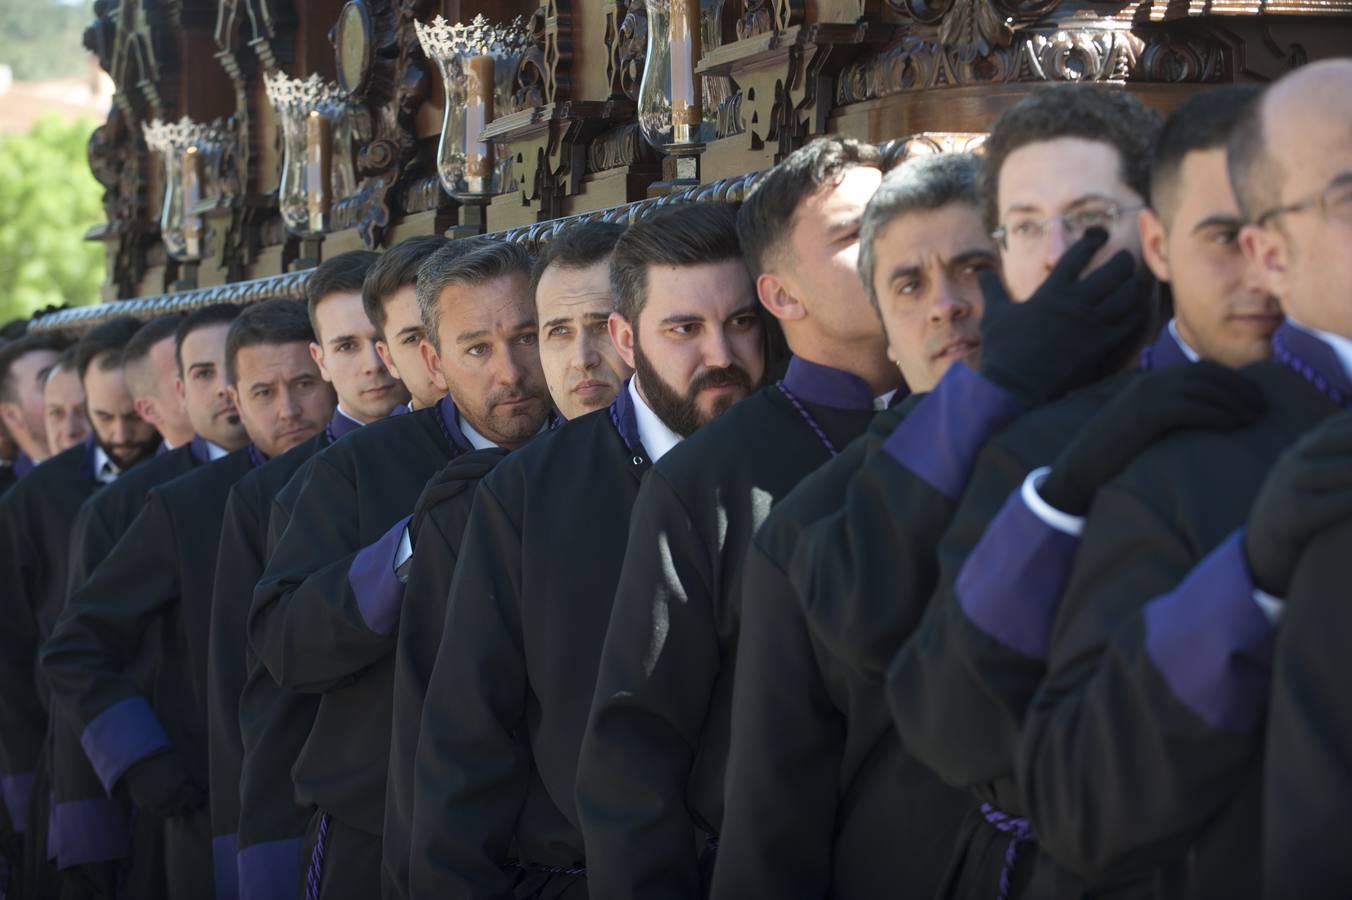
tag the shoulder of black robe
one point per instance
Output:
(1156, 776)
(445, 503)
(239, 564)
(1307, 770)
(522, 632)
(660, 718)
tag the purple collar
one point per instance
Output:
(1313, 360)
(256, 456)
(87, 465)
(200, 450)
(23, 464)
(825, 386)
(449, 417)
(625, 420)
(341, 424)
(1164, 352)
(402, 409)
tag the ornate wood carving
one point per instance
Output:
(974, 28)
(620, 146)
(626, 47)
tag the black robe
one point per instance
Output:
(448, 498)
(239, 565)
(1141, 751)
(821, 799)
(650, 771)
(513, 680)
(323, 621)
(36, 517)
(156, 581)
(1308, 769)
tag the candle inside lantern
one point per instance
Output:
(191, 194)
(478, 113)
(686, 103)
(318, 169)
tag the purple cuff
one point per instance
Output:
(1011, 584)
(1212, 642)
(379, 592)
(120, 736)
(16, 789)
(941, 437)
(270, 871)
(89, 831)
(224, 864)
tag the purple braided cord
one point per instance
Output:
(1304, 370)
(807, 417)
(1020, 833)
(316, 870)
(1148, 357)
(551, 870)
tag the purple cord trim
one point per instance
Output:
(316, 870)
(551, 870)
(807, 417)
(1020, 833)
(1305, 370)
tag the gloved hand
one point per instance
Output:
(159, 786)
(1070, 333)
(459, 475)
(1201, 395)
(1307, 491)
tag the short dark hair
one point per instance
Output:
(482, 261)
(69, 359)
(577, 247)
(1108, 115)
(267, 322)
(688, 234)
(1203, 122)
(16, 350)
(766, 218)
(206, 317)
(396, 268)
(105, 343)
(344, 273)
(151, 333)
(1255, 174)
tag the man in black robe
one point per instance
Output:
(63, 404)
(23, 363)
(391, 301)
(1159, 655)
(570, 288)
(327, 606)
(959, 688)
(36, 518)
(650, 772)
(158, 580)
(344, 349)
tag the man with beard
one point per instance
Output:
(35, 532)
(1159, 658)
(23, 362)
(531, 597)
(344, 350)
(960, 686)
(390, 299)
(99, 848)
(570, 287)
(650, 772)
(63, 404)
(327, 606)
(158, 581)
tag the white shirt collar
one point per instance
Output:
(1191, 354)
(1340, 345)
(476, 440)
(884, 401)
(215, 451)
(105, 470)
(657, 438)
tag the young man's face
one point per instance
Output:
(699, 345)
(63, 401)
(1221, 307)
(162, 405)
(123, 434)
(926, 273)
(582, 366)
(489, 357)
(347, 358)
(24, 416)
(401, 347)
(205, 393)
(1041, 185)
(280, 396)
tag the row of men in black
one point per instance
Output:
(926, 663)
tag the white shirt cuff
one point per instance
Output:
(403, 556)
(1270, 605)
(1051, 516)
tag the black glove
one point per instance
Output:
(160, 786)
(1069, 333)
(459, 475)
(1201, 395)
(1307, 491)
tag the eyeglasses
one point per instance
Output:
(1334, 202)
(1029, 233)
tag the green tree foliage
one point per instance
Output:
(41, 39)
(48, 199)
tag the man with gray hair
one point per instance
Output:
(327, 607)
